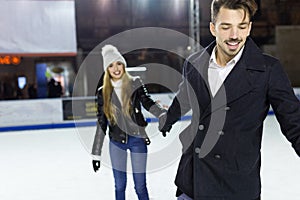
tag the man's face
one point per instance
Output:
(231, 29)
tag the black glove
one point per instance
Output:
(96, 165)
(162, 126)
(147, 141)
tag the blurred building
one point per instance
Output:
(275, 29)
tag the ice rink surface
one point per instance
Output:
(55, 164)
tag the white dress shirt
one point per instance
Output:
(217, 74)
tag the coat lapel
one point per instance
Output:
(240, 80)
(201, 87)
(115, 100)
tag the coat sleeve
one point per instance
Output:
(101, 126)
(180, 104)
(148, 103)
(98, 141)
(285, 104)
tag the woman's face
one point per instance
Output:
(116, 70)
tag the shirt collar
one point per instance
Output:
(232, 61)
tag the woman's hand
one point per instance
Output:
(96, 165)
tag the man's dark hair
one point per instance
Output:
(249, 6)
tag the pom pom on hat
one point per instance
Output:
(111, 54)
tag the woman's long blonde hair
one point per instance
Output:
(109, 108)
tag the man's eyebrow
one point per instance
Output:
(244, 23)
(229, 24)
(226, 24)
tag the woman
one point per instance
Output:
(119, 108)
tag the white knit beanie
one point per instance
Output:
(111, 54)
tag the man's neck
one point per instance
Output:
(221, 59)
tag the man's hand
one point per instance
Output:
(96, 165)
(162, 126)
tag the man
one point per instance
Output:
(229, 86)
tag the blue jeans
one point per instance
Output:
(184, 197)
(118, 156)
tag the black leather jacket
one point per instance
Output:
(124, 126)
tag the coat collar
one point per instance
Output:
(252, 57)
(239, 82)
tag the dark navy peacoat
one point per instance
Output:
(221, 157)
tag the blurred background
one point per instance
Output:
(26, 70)
(44, 43)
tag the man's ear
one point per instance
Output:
(212, 28)
(250, 27)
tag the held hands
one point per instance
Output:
(96, 165)
(162, 126)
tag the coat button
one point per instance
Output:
(221, 132)
(147, 141)
(136, 110)
(201, 127)
(197, 150)
(123, 141)
(217, 156)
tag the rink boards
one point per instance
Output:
(64, 112)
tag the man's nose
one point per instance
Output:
(234, 33)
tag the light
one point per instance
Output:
(10, 60)
(21, 82)
(104, 5)
(15, 60)
(136, 69)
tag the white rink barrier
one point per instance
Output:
(30, 112)
(57, 113)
